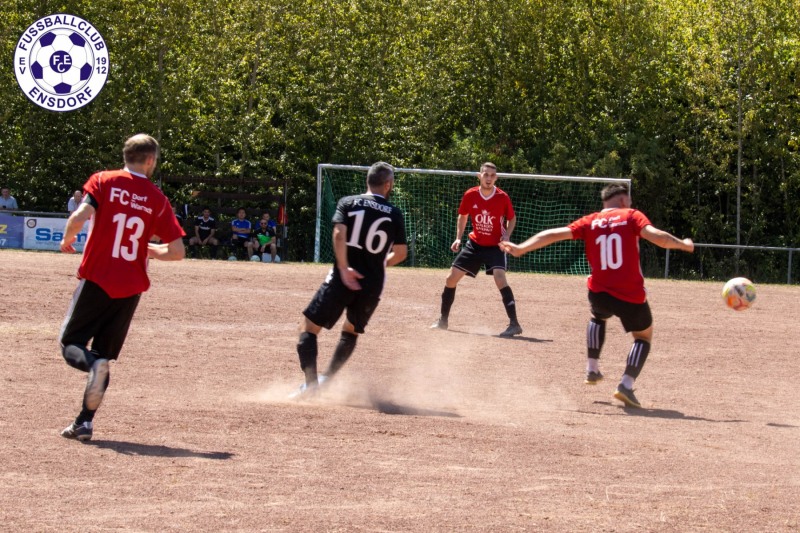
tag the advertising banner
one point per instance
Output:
(11, 231)
(46, 233)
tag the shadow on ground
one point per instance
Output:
(669, 414)
(389, 407)
(149, 450)
(498, 336)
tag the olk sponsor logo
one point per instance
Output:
(61, 62)
(484, 218)
(483, 222)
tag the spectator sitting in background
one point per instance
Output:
(178, 214)
(241, 228)
(204, 229)
(75, 201)
(264, 239)
(6, 200)
(270, 222)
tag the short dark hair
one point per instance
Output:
(488, 164)
(379, 173)
(610, 191)
(139, 147)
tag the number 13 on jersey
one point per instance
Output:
(128, 249)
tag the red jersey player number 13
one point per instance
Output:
(127, 211)
(130, 210)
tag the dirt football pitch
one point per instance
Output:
(423, 430)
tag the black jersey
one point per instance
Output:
(205, 226)
(373, 227)
(265, 234)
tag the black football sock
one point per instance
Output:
(509, 303)
(636, 358)
(307, 351)
(344, 349)
(86, 415)
(595, 337)
(448, 297)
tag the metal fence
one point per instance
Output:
(760, 263)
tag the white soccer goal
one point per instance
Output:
(430, 199)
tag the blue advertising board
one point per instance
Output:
(42, 233)
(11, 230)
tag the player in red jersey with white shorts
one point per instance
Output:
(493, 220)
(128, 211)
(616, 285)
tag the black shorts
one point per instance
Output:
(239, 242)
(333, 298)
(94, 315)
(472, 256)
(634, 317)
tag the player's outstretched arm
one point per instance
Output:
(666, 240)
(397, 255)
(540, 240)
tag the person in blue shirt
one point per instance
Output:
(270, 221)
(241, 229)
(6, 200)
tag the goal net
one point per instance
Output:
(429, 200)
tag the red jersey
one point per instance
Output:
(611, 238)
(488, 214)
(130, 210)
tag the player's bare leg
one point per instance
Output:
(96, 385)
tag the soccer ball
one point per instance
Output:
(739, 293)
(255, 258)
(61, 61)
(232, 258)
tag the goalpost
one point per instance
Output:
(429, 200)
